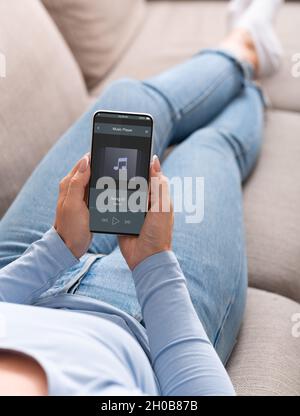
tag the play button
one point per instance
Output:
(115, 221)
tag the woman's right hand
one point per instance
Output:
(72, 214)
(156, 233)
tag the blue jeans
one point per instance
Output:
(210, 108)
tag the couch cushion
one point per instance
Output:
(266, 359)
(42, 94)
(272, 201)
(173, 31)
(96, 31)
(284, 88)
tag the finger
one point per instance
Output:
(160, 196)
(75, 168)
(64, 183)
(63, 188)
(155, 166)
(155, 184)
(79, 180)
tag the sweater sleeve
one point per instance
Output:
(183, 358)
(36, 270)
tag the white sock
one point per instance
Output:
(235, 10)
(258, 21)
(265, 10)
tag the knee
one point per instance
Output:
(121, 95)
(122, 84)
(222, 145)
(210, 139)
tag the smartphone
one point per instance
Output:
(120, 161)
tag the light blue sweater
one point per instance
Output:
(88, 347)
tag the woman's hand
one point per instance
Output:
(156, 233)
(72, 214)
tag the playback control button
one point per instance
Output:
(115, 221)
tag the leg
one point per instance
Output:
(180, 100)
(212, 253)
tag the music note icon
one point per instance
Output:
(122, 164)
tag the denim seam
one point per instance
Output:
(80, 273)
(174, 118)
(234, 157)
(245, 67)
(176, 114)
(160, 144)
(240, 153)
(157, 90)
(229, 307)
(224, 76)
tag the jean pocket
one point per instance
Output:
(73, 283)
(70, 279)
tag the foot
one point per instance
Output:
(257, 19)
(239, 42)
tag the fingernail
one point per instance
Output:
(83, 164)
(156, 163)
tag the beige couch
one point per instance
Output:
(60, 53)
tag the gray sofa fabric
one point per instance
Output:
(272, 202)
(265, 360)
(42, 94)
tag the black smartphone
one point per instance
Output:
(120, 161)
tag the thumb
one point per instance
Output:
(80, 179)
(157, 187)
(155, 166)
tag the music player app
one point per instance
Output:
(121, 152)
(118, 158)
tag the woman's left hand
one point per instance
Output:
(72, 214)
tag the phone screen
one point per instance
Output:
(120, 160)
